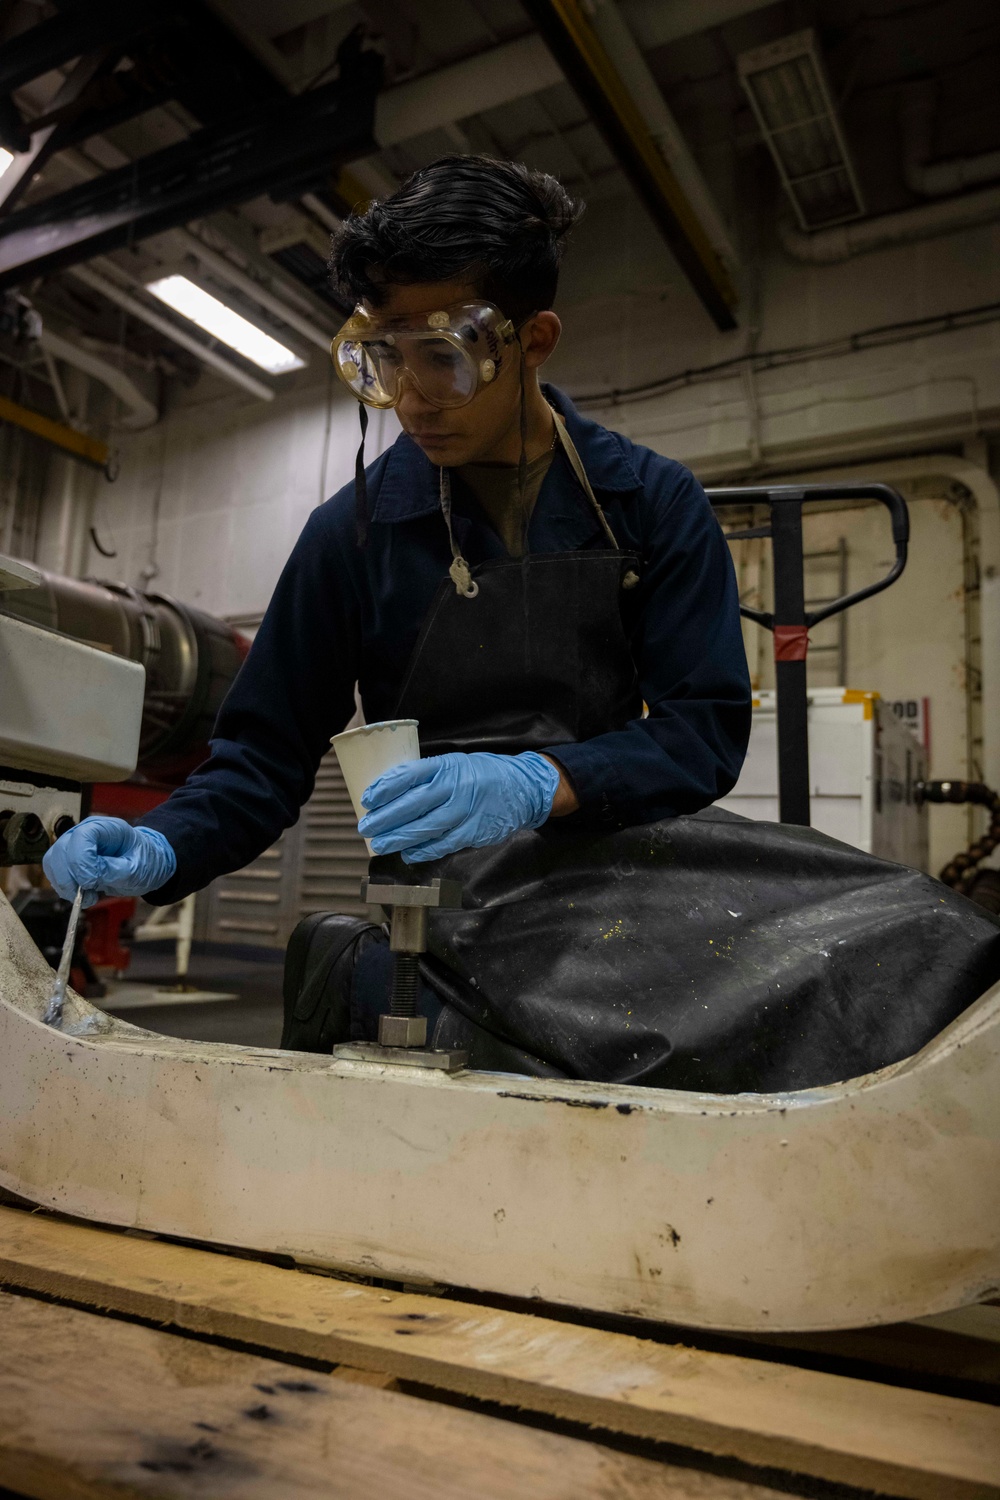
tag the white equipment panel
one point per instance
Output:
(863, 767)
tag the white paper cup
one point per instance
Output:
(366, 752)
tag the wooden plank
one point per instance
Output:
(98, 1409)
(902, 1442)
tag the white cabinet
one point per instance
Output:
(863, 767)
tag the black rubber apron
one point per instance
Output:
(708, 952)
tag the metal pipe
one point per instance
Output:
(937, 179)
(318, 208)
(824, 246)
(141, 411)
(77, 396)
(52, 369)
(569, 32)
(633, 70)
(146, 314)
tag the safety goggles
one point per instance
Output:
(449, 355)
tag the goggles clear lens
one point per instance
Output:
(448, 355)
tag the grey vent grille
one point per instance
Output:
(333, 858)
(316, 866)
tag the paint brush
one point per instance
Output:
(54, 1010)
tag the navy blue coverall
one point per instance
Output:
(341, 615)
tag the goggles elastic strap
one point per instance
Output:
(522, 461)
(361, 483)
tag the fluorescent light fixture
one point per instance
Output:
(6, 157)
(788, 89)
(193, 302)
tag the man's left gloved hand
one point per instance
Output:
(427, 808)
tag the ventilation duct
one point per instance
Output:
(937, 179)
(911, 224)
(140, 409)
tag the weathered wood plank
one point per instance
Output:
(95, 1408)
(903, 1442)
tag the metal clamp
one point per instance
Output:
(401, 1031)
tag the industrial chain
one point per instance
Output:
(960, 871)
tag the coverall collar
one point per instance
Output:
(409, 485)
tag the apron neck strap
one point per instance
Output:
(576, 464)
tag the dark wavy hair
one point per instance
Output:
(497, 223)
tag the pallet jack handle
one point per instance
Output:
(790, 621)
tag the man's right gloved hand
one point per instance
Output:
(109, 857)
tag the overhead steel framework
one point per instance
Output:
(255, 137)
(178, 51)
(215, 167)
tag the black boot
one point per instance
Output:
(319, 966)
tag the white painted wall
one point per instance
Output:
(629, 319)
(233, 480)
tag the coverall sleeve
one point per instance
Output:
(295, 690)
(688, 651)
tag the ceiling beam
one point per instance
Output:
(571, 37)
(81, 26)
(524, 66)
(257, 21)
(46, 140)
(180, 49)
(629, 63)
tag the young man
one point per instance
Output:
(523, 581)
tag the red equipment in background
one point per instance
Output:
(106, 920)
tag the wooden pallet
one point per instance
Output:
(135, 1366)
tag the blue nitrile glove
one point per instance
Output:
(427, 808)
(109, 857)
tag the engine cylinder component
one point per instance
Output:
(23, 838)
(189, 656)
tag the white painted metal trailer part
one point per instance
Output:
(866, 1202)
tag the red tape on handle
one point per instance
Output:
(791, 642)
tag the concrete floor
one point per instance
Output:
(253, 1019)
